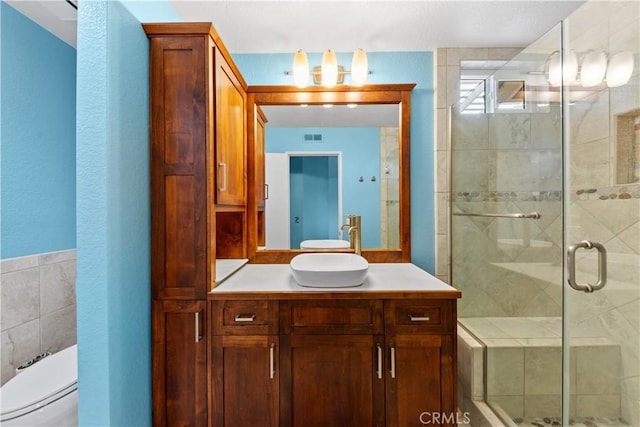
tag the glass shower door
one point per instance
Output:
(602, 215)
(507, 240)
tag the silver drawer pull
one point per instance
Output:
(197, 326)
(272, 363)
(393, 361)
(245, 317)
(423, 318)
(379, 370)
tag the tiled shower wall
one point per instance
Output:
(38, 307)
(447, 72)
(389, 188)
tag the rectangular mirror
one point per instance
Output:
(327, 153)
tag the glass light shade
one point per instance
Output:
(300, 69)
(554, 69)
(558, 72)
(620, 69)
(592, 70)
(329, 69)
(359, 68)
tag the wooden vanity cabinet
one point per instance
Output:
(197, 167)
(420, 337)
(244, 364)
(342, 362)
(330, 356)
(198, 204)
(179, 363)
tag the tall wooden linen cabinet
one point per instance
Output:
(198, 204)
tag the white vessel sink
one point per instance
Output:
(325, 244)
(329, 270)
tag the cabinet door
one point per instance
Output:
(179, 363)
(245, 381)
(419, 388)
(261, 190)
(230, 125)
(334, 380)
(179, 140)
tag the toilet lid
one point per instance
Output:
(43, 382)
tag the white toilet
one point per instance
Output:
(44, 394)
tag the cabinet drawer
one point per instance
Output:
(245, 317)
(419, 316)
(332, 317)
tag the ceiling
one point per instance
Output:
(286, 26)
(343, 26)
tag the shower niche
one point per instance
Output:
(627, 146)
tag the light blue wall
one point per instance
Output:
(113, 291)
(387, 67)
(38, 139)
(360, 148)
(314, 198)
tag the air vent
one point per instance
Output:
(312, 137)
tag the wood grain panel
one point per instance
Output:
(178, 94)
(333, 381)
(416, 388)
(178, 167)
(332, 317)
(244, 391)
(230, 116)
(180, 232)
(179, 364)
(230, 235)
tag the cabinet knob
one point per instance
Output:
(419, 318)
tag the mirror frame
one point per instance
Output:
(291, 95)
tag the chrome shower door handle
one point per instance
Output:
(602, 266)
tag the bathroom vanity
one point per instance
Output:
(251, 346)
(380, 354)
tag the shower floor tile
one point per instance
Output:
(575, 422)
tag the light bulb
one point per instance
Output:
(559, 72)
(359, 68)
(329, 68)
(620, 69)
(300, 69)
(592, 70)
(554, 69)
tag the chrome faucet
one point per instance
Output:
(354, 231)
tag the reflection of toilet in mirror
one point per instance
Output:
(324, 244)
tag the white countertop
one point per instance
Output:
(226, 267)
(391, 277)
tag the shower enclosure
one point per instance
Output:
(545, 224)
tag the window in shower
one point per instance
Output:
(628, 147)
(472, 96)
(510, 95)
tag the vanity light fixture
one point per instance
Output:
(329, 73)
(594, 69)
